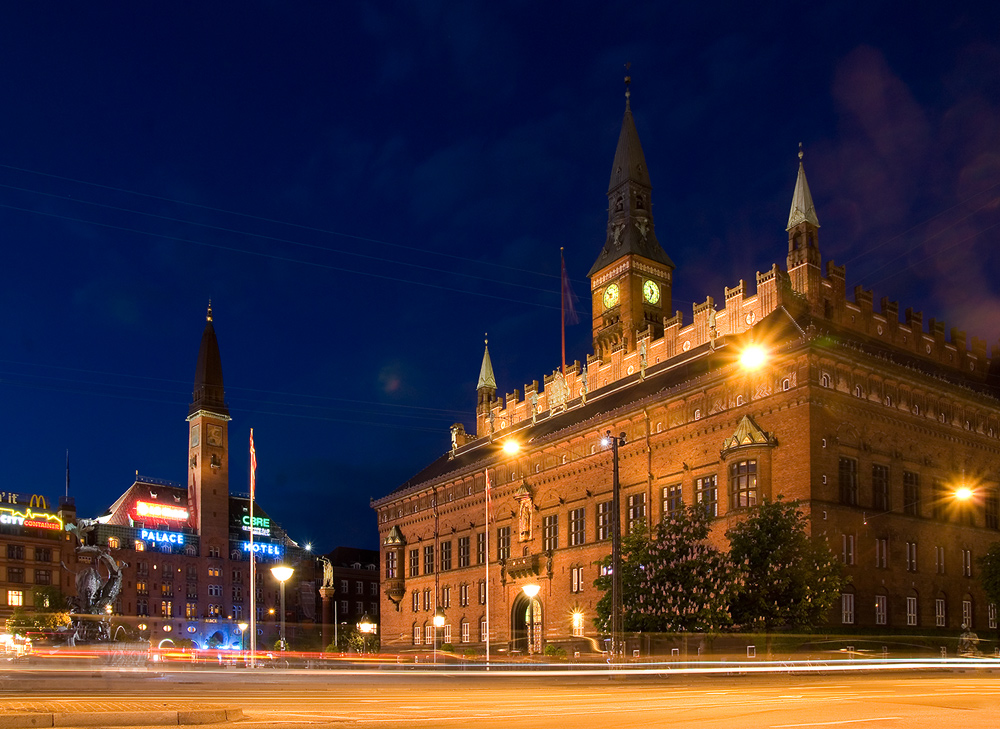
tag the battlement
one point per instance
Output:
(742, 312)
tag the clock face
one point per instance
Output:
(650, 292)
(215, 435)
(611, 296)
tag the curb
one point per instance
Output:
(181, 717)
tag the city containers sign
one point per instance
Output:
(152, 535)
(30, 518)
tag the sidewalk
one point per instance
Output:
(26, 713)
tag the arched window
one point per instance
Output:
(697, 414)
(825, 380)
(114, 542)
(858, 392)
(786, 385)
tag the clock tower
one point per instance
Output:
(208, 449)
(630, 283)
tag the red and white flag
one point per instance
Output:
(489, 503)
(253, 467)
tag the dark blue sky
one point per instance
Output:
(364, 189)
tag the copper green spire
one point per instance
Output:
(803, 209)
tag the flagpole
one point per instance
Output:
(486, 585)
(253, 576)
(562, 305)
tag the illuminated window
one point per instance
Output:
(191, 610)
(465, 631)
(881, 606)
(15, 598)
(429, 634)
(636, 511)
(481, 548)
(417, 635)
(482, 631)
(140, 546)
(743, 484)
(166, 590)
(672, 498)
(463, 595)
(447, 633)
(550, 532)
(114, 542)
(991, 615)
(604, 521)
(390, 565)
(967, 613)
(503, 543)
(446, 597)
(576, 579)
(578, 625)
(166, 609)
(577, 526)
(416, 600)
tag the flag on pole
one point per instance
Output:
(253, 468)
(569, 299)
(490, 517)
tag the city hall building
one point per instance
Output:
(869, 417)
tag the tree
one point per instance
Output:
(672, 579)
(989, 573)
(789, 580)
(50, 614)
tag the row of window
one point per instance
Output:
(18, 552)
(17, 575)
(428, 635)
(942, 504)
(848, 615)
(847, 555)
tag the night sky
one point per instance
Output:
(364, 189)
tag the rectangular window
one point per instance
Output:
(390, 565)
(237, 593)
(166, 609)
(911, 493)
(414, 563)
(882, 553)
(481, 548)
(429, 637)
(141, 588)
(991, 615)
(911, 556)
(429, 559)
(503, 543)
(940, 619)
(43, 554)
(15, 598)
(880, 488)
(578, 625)
(463, 595)
(636, 511)
(359, 608)
(743, 484)
(464, 552)
(939, 560)
(417, 635)
(911, 611)
(550, 532)
(447, 633)
(43, 577)
(482, 592)
(706, 494)
(15, 574)
(991, 504)
(446, 597)
(343, 608)
(446, 555)
(672, 499)
(881, 609)
(416, 600)
(427, 599)
(847, 608)
(604, 521)
(967, 563)
(191, 610)
(847, 549)
(848, 481)
(576, 579)
(577, 527)
(141, 607)
(15, 551)
(482, 631)
(166, 590)
(142, 568)
(465, 631)
(967, 613)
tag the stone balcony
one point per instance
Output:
(518, 567)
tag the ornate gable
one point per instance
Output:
(747, 435)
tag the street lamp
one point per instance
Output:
(510, 447)
(367, 627)
(438, 622)
(531, 591)
(282, 573)
(243, 632)
(616, 544)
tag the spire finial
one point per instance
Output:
(800, 151)
(486, 338)
(628, 81)
(208, 317)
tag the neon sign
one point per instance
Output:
(30, 518)
(261, 525)
(269, 550)
(160, 511)
(165, 537)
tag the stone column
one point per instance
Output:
(326, 593)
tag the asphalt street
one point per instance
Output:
(886, 700)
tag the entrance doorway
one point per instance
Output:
(526, 625)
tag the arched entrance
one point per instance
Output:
(526, 624)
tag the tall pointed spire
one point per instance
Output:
(803, 209)
(209, 393)
(487, 386)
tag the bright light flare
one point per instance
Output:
(531, 590)
(281, 572)
(753, 357)
(963, 493)
(511, 446)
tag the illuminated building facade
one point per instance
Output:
(356, 585)
(187, 547)
(33, 543)
(869, 421)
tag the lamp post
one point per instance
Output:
(510, 447)
(367, 627)
(616, 545)
(243, 633)
(531, 590)
(282, 573)
(438, 622)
